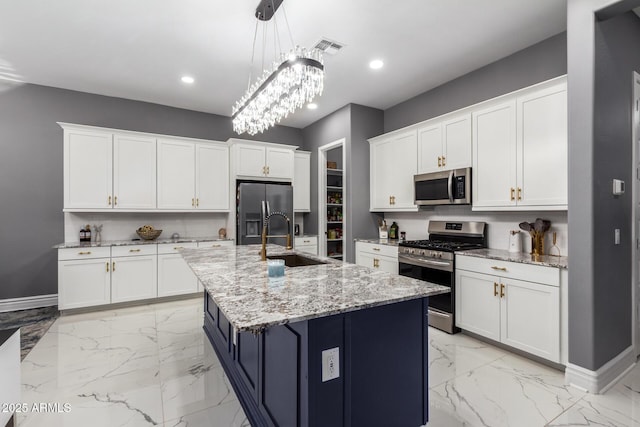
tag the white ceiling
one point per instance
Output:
(140, 49)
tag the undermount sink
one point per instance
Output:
(295, 260)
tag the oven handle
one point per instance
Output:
(425, 262)
(450, 186)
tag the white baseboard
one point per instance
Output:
(13, 304)
(605, 377)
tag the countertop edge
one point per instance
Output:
(111, 243)
(519, 257)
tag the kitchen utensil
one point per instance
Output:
(538, 225)
(525, 226)
(515, 242)
(555, 250)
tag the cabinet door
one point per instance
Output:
(280, 163)
(84, 283)
(390, 265)
(393, 165)
(176, 174)
(250, 160)
(365, 259)
(430, 148)
(531, 318)
(174, 276)
(134, 172)
(456, 142)
(477, 305)
(310, 249)
(212, 177)
(87, 170)
(302, 182)
(494, 156)
(134, 278)
(542, 147)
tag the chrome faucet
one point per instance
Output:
(263, 251)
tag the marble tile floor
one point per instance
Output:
(33, 324)
(152, 365)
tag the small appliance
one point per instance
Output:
(452, 187)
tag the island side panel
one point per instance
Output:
(386, 364)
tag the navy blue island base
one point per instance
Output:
(277, 374)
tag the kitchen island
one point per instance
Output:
(332, 344)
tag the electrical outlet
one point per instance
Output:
(330, 364)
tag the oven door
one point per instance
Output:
(441, 307)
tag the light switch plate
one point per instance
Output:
(330, 364)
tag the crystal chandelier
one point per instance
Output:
(293, 80)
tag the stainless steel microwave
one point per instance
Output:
(452, 187)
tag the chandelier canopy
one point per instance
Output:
(293, 80)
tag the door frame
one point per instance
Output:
(322, 195)
(635, 214)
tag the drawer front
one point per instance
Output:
(134, 250)
(174, 248)
(83, 253)
(384, 250)
(305, 241)
(514, 270)
(215, 244)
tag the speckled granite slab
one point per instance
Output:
(238, 282)
(521, 257)
(106, 243)
(389, 242)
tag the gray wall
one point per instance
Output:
(600, 149)
(328, 129)
(537, 63)
(31, 168)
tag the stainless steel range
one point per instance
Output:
(433, 260)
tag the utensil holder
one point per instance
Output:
(537, 243)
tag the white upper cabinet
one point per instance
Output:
(212, 176)
(134, 172)
(302, 182)
(193, 176)
(542, 147)
(88, 157)
(445, 144)
(520, 150)
(255, 159)
(494, 154)
(176, 174)
(392, 167)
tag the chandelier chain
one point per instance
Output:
(284, 11)
(253, 54)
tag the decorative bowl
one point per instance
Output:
(149, 234)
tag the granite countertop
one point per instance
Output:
(107, 243)
(376, 241)
(238, 282)
(521, 257)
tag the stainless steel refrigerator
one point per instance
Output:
(256, 200)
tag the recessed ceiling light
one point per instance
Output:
(312, 106)
(376, 64)
(187, 79)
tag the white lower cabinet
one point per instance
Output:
(307, 244)
(493, 301)
(382, 257)
(84, 277)
(134, 278)
(174, 275)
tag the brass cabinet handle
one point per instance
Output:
(197, 202)
(519, 193)
(439, 161)
(134, 250)
(513, 190)
(115, 201)
(495, 289)
(84, 253)
(376, 263)
(376, 249)
(109, 201)
(193, 202)
(113, 266)
(495, 267)
(501, 290)
(175, 248)
(444, 163)
(268, 170)
(216, 246)
(107, 267)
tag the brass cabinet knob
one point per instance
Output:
(134, 250)
(113, 266)
(193, 202)
(197, 202)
